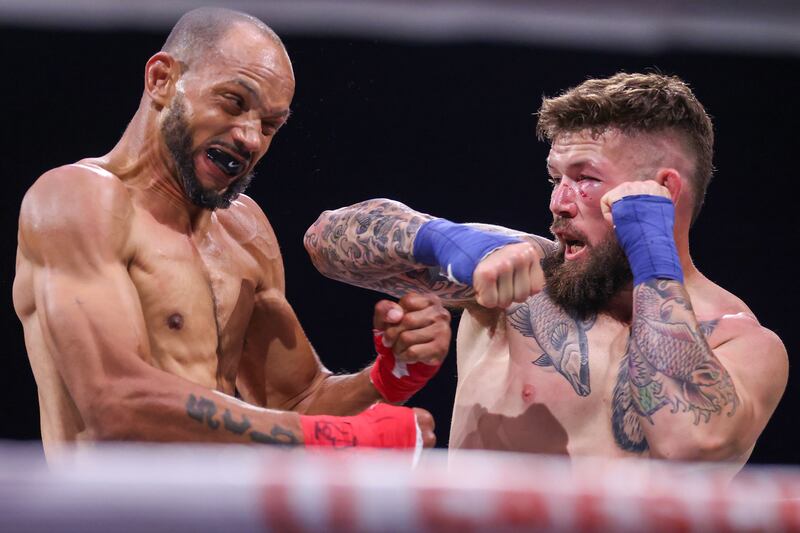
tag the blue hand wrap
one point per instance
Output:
(456, 248)
(643, 224)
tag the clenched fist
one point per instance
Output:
(417, 328)
(507, 275)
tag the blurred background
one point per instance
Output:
(430, 103)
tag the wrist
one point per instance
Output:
(394, 380)
(644, 228)
(380, 426)
(455, 248)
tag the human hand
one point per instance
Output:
(630, 188)
(417, 328)
(426, 426)
(509, 274)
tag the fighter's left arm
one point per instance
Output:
(682, 399)
(677, 395)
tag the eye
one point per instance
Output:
(268, 129)
(584, 177)
(235, 101)
(554, 180)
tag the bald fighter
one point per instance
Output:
(151, 290)
(607, 341)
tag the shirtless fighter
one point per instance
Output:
(608, 341)
(151, 290)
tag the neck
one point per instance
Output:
(143, 162)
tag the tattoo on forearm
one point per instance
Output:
(561, 337)
(235, 427)
(370, 245)
(204, 410)
(667, 363)
(278, 435)
(373, 238)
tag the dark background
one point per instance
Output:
(445, 128)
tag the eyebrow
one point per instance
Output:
(581, 163)
(254, 92)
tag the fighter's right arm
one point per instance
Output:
(75, 234)
(371, 244)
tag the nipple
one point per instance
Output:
(527, 393)
(175, 321)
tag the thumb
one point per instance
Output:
(387, 313)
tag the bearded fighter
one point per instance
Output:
(607, 341)
(151, 291)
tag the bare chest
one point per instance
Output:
(545, 387)
(196, 298)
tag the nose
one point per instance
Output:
(562, 200)
(247, 136)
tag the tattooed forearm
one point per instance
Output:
(667, 363)
(372, 239)
(204, 411)
(370, 244)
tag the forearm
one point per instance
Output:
(339, 395)
(156, 406)
(683, 397)
(365, 242)
(385, 246)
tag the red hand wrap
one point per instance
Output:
(380, 426)
(396, 381)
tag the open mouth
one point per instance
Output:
(573, 246)
(228, 164)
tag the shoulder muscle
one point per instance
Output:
(75, 216)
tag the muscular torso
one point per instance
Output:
(535, 379)
(196, 296)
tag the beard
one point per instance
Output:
(178, 138)
(583, 288)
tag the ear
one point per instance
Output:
(161, 74)
(672, 180)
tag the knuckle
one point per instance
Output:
(404, 338)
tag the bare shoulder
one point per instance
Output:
(744, 331)
(754, 353)
(74, 204)
(246, 222)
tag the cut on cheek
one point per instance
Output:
(591, 192)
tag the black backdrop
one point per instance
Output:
(445, 128)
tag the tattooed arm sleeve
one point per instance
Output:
(673, 395)
(370, 245)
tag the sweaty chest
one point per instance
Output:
(196, 297)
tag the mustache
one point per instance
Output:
(561, 224)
